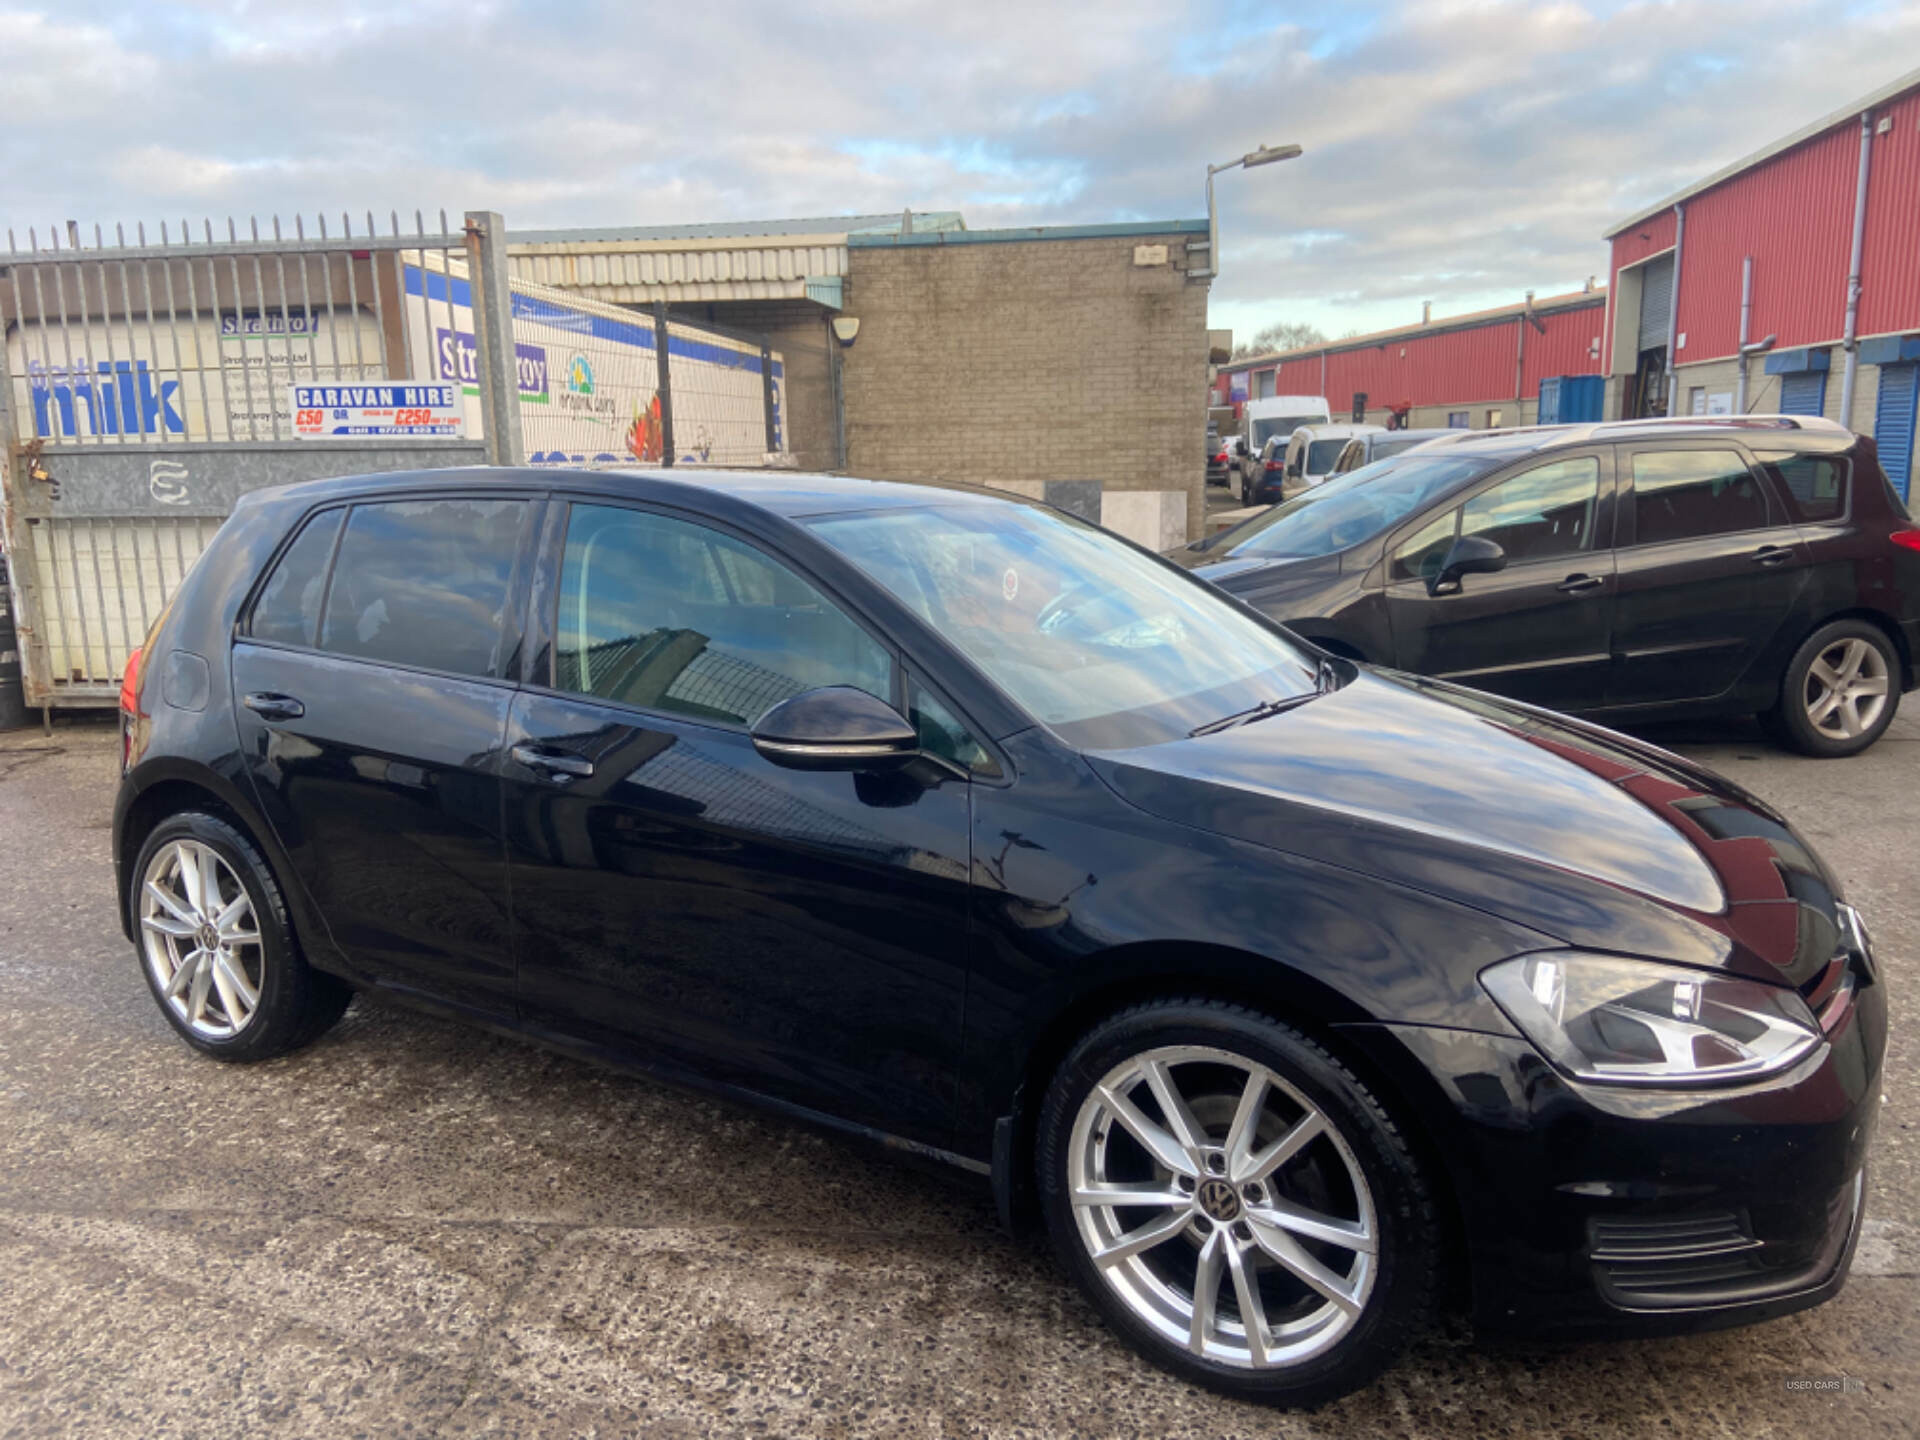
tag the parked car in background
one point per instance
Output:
(1628, 571)
(1260, 477)
(1220, 468)
(1278, 416)
(1279, 990)
(1379, 444)
(1314, 450)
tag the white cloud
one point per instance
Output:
(1457, 152)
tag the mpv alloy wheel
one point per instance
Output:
(1846, 689)
(201, 939)
(1235, 1201)
(1238, 1243)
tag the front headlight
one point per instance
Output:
(1637, 1022)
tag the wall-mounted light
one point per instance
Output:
(845, 328)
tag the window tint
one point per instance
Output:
(1815, 486)
(289, 608)
(673, 616)
(424, 582)
(1681, 494)
(1421, 554)
(1539, 513)
(943, 733)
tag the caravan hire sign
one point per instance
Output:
(358, 412)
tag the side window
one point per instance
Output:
(1539, 513)
(1421, 554)
(424, 582)
(1684, 494)
(942, 732)
(1815, 486)
(672, 616)
(288, 610)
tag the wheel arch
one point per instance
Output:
(157, 792)
(1881, 622)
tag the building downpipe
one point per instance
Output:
(1672, 377)
(1850, 336)
(1746, 329)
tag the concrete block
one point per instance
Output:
(1156, 519)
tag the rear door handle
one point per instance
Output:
(269, 706)
(1577, 584)
(554, 764)
(1772, 554)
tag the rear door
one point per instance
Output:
(1710, 569)
(371, 696)
(1538, 630)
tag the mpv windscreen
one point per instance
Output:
(1278, 428)
(1355, 506)
(1321, 454)
(1104, 644)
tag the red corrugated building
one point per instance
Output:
(1465, 370)
(1742, 293)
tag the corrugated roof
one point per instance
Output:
(876, 240)
(939, 220)
(1571, 300)
(1845, 115)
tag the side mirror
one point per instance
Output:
(835, 727)
(1470, 555)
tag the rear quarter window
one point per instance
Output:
(1814, 487)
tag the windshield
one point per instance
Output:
(1109, 647)
(1321, 454)
(1279, 427)
(1355, 506)
(1383, 448)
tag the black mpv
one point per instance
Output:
(1278, 988)
(1632, 571)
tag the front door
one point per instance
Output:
(1709, 569)
(1537, 630)
(683, 900)
(371, 727)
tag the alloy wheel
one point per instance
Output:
(201, 939)
(1223, 1207)
(1846, 689)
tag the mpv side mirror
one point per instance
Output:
(835, 727)
(1470, 555)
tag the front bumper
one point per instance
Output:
(1600, 1210)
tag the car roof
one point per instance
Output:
(1761, 432)
(791, 493)
(1338, 431)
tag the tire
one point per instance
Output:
(1809, 718)
(1355, 1175)
(291, 1004)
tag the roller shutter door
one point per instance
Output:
(1893, 418)
(1656, 302)
(1804, 393)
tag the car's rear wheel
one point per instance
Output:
(1840, 691)
(217, 948)
(1236, 1202)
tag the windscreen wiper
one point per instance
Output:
(1326, 678)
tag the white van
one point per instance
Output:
(1278, 415)
(1314, 450)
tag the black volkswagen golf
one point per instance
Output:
(1631, 571)
(1295, 998)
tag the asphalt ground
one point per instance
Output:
(417, 1229)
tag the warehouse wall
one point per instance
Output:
(1029, 359)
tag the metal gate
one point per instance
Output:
(1893, 422)
(144, 387)
(1804, 393)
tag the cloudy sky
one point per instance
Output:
(1456, 152)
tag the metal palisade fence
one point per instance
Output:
(146, 382)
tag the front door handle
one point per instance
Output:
(1579, 584)
(269, 706)
(556, 765)
(1772, 554)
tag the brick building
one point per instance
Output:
(1787, 282)
(1064, 353)
(1469, 371)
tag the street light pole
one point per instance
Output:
(1265, 155)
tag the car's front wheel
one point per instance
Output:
(1236, 1202)
(217, 947)
(1840, 691)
